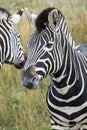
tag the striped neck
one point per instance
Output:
(68, 73)
(66, 32)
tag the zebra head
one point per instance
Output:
(63, 25)
(44, 46)
(11, 51)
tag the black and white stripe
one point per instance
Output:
(51, 53)
(10, 47)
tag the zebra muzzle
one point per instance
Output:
(29, 78)
(22, 63)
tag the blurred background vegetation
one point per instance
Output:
(20, 108)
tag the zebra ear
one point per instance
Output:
(15, 18)
(53, 19)
(31, 17)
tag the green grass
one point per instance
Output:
(21, 109)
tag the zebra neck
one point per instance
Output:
(5, 53)
(68, 75)
(66, 32)
(4, 41)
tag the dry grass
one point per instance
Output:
(21, 109)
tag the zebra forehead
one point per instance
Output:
(40, 38)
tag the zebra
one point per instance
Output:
(51, 54)
(11, 51)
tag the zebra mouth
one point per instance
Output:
(30, 83)
(20, 65)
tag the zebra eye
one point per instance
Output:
(49, 45)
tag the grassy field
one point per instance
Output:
(21, 109)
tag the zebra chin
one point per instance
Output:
(17, 66)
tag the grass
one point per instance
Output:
(21, 109)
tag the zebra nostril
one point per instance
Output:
(34, 78)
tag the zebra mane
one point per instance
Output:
(4, 13)
(42, 20)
